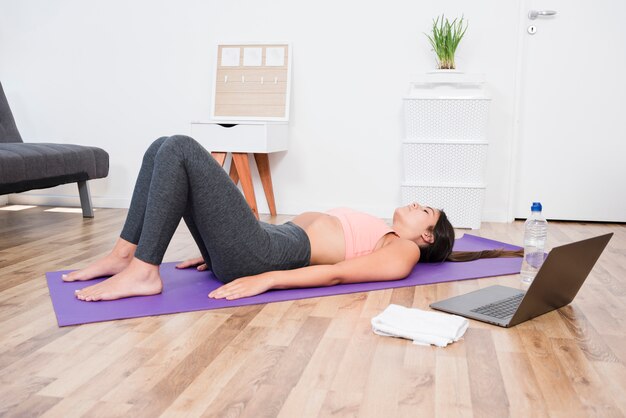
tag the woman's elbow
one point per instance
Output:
(400, 272)
(335, 281)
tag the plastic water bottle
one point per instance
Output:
(535, 235)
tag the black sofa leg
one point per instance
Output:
(85, 199)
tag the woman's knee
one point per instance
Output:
(153, 149)
(180, 146)
(185, 143)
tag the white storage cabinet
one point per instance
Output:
(445, 145)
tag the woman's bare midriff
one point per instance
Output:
(326, 237)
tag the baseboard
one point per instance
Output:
(67, 201)
(495, 216)
(122, 202)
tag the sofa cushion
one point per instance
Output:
(26, 166)
(8, 129)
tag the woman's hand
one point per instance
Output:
(193, 262)
(243, 287)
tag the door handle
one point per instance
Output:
(533, 14)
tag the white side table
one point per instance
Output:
(241, 139)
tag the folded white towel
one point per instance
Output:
(423, 327)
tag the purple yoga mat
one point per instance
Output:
(187, 290)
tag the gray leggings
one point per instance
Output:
(180, 179)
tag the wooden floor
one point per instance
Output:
(307, 358)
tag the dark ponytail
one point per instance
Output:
(475, 255)
(441, 248)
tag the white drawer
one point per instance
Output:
(444, 162)
(261, 137)
(446, 119)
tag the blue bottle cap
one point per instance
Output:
(536, 207)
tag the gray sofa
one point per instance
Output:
(27, 166)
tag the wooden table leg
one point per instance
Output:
(263, 164)
(240, 159)
(234, 175)
(220, 157)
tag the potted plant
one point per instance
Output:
(445, 39)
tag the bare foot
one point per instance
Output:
(138, 279)
(119, 258)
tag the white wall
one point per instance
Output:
(117, 74)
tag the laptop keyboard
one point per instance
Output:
(502, 308)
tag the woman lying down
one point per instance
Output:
(180, 179)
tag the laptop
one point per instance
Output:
(556, 284)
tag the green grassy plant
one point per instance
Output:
(445, 38)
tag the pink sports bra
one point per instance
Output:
(361, 231)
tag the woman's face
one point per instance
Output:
(415, 222)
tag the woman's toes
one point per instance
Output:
(67, 277)
(84, 293)
(76, 276)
